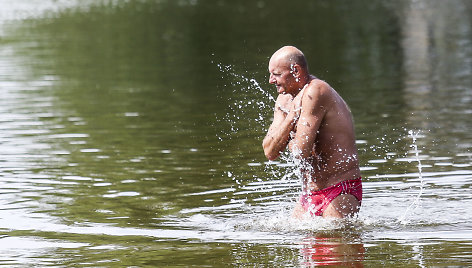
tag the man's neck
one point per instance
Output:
(303, 83)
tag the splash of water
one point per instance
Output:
(249, 103)
(250, 108)
(250, 98)
(416, 201)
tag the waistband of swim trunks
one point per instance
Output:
(339, 184)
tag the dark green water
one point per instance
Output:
(131, 132)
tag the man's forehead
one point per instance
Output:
(280, 61)
(277, 68)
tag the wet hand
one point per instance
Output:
(283, 103)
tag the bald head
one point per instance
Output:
(288, 70)
(291, 55)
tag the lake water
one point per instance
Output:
(131, 133)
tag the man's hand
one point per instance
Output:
(286, 113)
(283, 103)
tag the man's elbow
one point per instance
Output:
(269, 153)
(271, 156)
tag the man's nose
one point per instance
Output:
(271, 79)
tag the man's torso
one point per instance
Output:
(334, 151)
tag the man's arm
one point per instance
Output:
(278, 134)
(314, 107)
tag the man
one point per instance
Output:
(314, 122)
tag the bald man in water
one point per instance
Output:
(315, 123)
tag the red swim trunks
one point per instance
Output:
(317, 201)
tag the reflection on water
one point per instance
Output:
(131, 133)
(330, 250)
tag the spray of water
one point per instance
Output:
(251, 107)
(249, 104)
(416, 202)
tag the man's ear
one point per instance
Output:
(297, 69)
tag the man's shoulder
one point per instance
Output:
(318, 84)
(318, 90)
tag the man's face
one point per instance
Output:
(281, 75)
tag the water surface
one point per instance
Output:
(131, 132)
